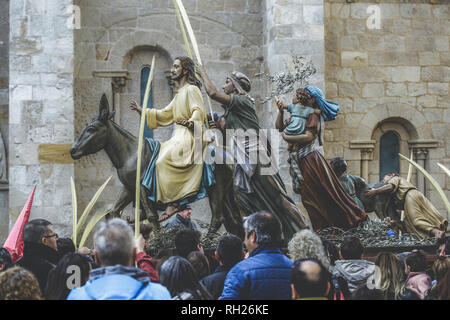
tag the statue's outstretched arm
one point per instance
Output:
(211, 90)
(384, 189)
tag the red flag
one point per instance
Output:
(14, 243)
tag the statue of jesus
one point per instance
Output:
(174, 175)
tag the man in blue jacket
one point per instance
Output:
(117, 279)
(265, 274)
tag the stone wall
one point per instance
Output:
(41, 110)
(392, 78)
(292, 27)
(123, 36)
(4, 100)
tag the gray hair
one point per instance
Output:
(306, 244)
(267, 228)
(114, 242)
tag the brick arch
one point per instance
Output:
(148, 48)
(406, 115)
(155, 39)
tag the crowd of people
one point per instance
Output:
(253, 268)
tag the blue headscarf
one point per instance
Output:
(329, 109)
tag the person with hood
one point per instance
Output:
(40, 250)
(352, 268)
(117, 279)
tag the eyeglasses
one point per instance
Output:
(52, 235)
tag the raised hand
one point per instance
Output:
(134, 106)
(213, 125)
(200, 70)
(140, 244)
(280, 104)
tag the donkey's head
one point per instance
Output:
(93, 137)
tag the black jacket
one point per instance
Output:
(405, 295)
(198, 294)
(339, 288)
(39, 259)
(214, 282)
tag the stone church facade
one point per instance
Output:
(392, 83)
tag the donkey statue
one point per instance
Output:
(102, 133)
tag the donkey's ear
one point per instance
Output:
(103, 112)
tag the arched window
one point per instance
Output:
(389, 149)
(145, 71)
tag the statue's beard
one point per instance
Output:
(177, 77)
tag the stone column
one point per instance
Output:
(366, 156)
(420, 156)
(4, 104)
(366, 148)
(118, 82)
(421, 150)
(41, 110)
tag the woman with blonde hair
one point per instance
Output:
(19, 284)
(390, 277)
(440, 290)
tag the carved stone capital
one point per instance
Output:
(421, 148)
(118, 83)
(118, 78)
(365, 146)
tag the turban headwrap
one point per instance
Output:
(241, 82)
(329, 109)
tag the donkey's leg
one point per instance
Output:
(149, 210)
(232, 215)
(124, 199)
(216, 198)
